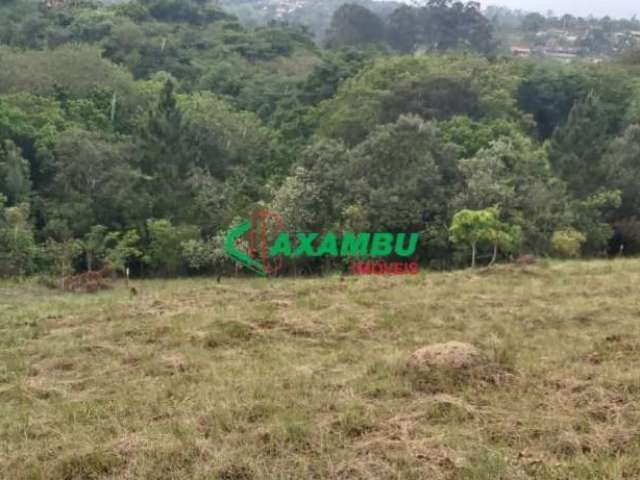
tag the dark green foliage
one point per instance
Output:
(623, 168)
(404, 29)
(140, 132)
(323, 82)
(354, 26)
(438, 98)
(165, 245)
(94, 183)
(15, 174)
(577, 148)
(549, 91)
(396, 176)
(441, 25)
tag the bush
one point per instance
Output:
(18, 248)
(165, 245)
(198, 255)
(568, 243)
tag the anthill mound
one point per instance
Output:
(455, 356)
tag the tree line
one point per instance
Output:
(438, 26)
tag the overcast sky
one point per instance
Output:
(599, 8)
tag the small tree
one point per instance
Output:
(220, 259)
(16, 240)
(197, 254)
(62, 254)
(15, 173)
(504, 237)
(165, 244)
(588, 217)
(472, 227)
(94, 244)
(121, 248)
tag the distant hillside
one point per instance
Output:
(316, 14)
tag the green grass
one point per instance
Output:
(300, 379)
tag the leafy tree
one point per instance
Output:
(533, 22)
(396, 174)
(451, 25)
(623, 161)
(432, 98)
(93, 183)
(122, 248)
(313, 197)
(354, 26)
(505, 237)
(79, 68)
(404, 29)
(165, 245)
(18, 249)
(94, 245)
(398, 85)
(472, 227)
(160, 153)
(514, 174)
(549, 92)
(336, 67)
(440, 25)
(62, 254)
(231, 155)
(577, 149)
(15, 174)
(192, 11)
(197, 254)
(591, 217)
(473, 136)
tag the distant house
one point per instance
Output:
(520, 51)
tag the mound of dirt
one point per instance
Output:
(451, 356)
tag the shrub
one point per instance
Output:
(18, 249)
(165, 245)
(629, 230)
(198, 255)
(568, 242)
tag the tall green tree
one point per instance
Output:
(94, 245)
(577, 149)
(623, 160)
(160, 154)
(396, 174)
(18, 248)
(514, 174)
(94, 183)
(15, 174)
(354, 26)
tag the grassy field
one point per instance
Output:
(300, 379)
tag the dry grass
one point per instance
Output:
(285, 379)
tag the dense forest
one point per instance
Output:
(138, 133)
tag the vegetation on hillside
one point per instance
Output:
(118, 118)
